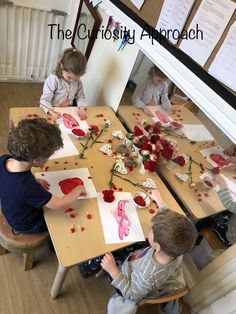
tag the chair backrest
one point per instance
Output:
(166, 297)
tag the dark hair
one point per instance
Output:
(72, 61)
(33, 139)
(154, 70)
(175, 233)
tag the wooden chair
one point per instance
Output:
(22, 243)
(212, 239)
(165, 297)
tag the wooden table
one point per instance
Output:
(209, 204)
(75, 248)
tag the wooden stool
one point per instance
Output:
(23, 243)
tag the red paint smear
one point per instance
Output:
(139, 200)
(78, 132)
(122, 220)
(69, 121)
(219, 160)
(67, 185)
(162, 117)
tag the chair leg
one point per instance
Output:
(2, 250)
(28, 260)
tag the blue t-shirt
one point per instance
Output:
(22, 197)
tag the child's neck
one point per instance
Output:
(13, 165)
(162, 258)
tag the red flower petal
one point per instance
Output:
(42, 174)
(56, 162)
(90, 177)
(65, 162)
(109, 141)
(82, 228)
(199, 199)
(120, 189)
(72, 229)
(101, 115)
(151, 210)
(76, 163)
(234, 177)
(72, 216)
(89, 216)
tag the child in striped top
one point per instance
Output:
(153, 270)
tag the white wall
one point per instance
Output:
(226, 305)
(108, 70)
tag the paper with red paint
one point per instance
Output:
(128, 230)
(215, 156)
(67, 185)
(55, 177)
(159, 115)
(69, 148)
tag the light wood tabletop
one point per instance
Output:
(209, 202)
(74, 248)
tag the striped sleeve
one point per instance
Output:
(227, 200)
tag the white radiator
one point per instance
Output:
(26, 50)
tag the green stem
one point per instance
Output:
(81, 154)
(100, 133)
(168, 132)
(134, 184)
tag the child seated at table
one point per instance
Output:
(154, 270)
(64, 87)
(152, 91)
(22, 196)
(223, 223)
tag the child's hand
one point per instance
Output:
(54, 114)
(156, 196)
(81, 190)
(82, 113)
(151, 102)
(147, 111)
(220, 180)
(43, 183)
(108, 263)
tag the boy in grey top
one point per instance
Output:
(152, 91)
(154, 270)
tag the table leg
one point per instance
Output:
(59, 279)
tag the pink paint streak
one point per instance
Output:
(219, 160)
(163, 118)
(69, 121)
(122, 219)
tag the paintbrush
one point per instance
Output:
(64, 117)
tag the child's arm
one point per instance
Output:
(165, 102)
(80, 101)
(224, 194)
(137, 95)
(108, 263)
(156, 196)
(65, 201)
(49, 88)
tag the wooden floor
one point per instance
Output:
(29, 292)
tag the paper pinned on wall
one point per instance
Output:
(173, 16)
(138, 3)
(209, 23)
(224, 65)
(54, 177)
(95, 2)
(109, 222)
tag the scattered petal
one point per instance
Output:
(82, 228)
(56, 162)
(89, 216)
(72, 229)
(72, 215)
(68, 210)
(120, 189)
(90, 177)
(151, 210)
(42, 174)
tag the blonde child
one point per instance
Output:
(64, 86)
(153, 91)
(30, 144)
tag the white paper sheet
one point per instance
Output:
(212, 17)
(54, 177)
(197, 132)
(223, 66)
(69, 148)
(109, 224)
(174, 14)
(96, 2)
(216, 150)
(138, 3)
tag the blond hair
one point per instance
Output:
(73, 61)
(175, 233)
(154, 70)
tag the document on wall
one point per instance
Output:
(95, 2)
(210, 21)
(174, 14)
(138, 3)
(224, 65)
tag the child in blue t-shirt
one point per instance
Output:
(30, 144)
